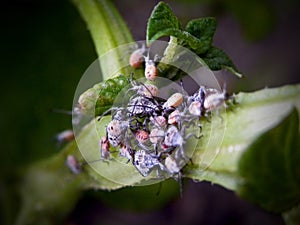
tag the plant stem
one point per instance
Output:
(107, 28)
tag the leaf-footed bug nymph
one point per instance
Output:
(64, 137)
(142, 136)
(173, 101)
(126, 151)
(215, 99)
(115, 130)
(73, 164)
(104, 148)
(143, 106)
(145, 162)
(175, 139)
(147, 90)
(196, 102)
(151, 71)
(156, 135)
(195, 108)
(137, 57)
(158, 121)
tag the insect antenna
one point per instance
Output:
(179, 180)
(95, 161)
(91, 162)
(107, 112)
(159, 188)
(61, 111)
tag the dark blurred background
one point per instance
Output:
(45, 48)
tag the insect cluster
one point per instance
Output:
(151, 131)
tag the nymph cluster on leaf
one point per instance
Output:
(145, 133)
(151, 131)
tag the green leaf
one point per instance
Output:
(203, 29)
(193, 43)
(161, 20)
(107, 28)
(197, 45)
(270, 168)
(197, 37)
(217, 59)
(98, 99)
